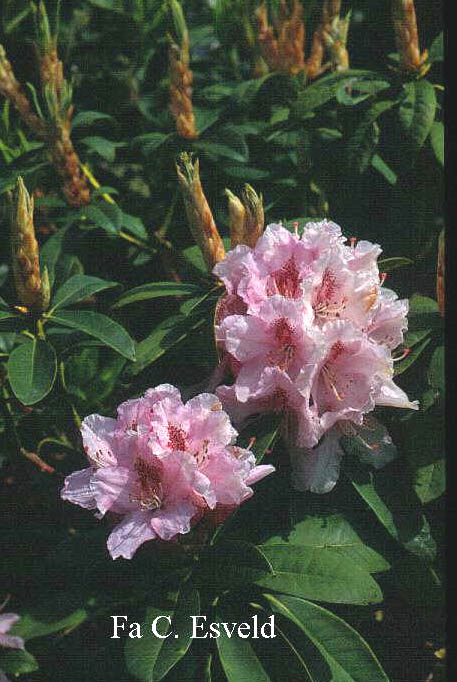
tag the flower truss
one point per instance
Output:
(308, 331)
(161, 466)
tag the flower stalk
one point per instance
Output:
(199, 215)
(412, 60)
(32, 286)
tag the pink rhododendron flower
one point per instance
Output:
(7, 620)
(161, 465)
(307, 331)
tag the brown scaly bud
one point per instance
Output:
(406, 37)
(68, 165)
(199, 216)
(181, 76)
(32, 289)
(283, 48)
(246, 217)
(181, 80)
(440, 273)
(12, 90)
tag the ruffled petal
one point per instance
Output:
(78, 489)
(127, 536)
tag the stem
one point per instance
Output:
(40, 329)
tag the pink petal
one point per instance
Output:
(129, 534)
(78, 489)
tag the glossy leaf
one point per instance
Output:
(417, 113)
(150, 658)
(32, 368)
(348, 655)
(437, 140)
(314, 573)
(97, 325)
(78, 287)
(156, 290)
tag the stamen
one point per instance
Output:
(404, 355)
(252, 440)
(353, 241)
(296, 228)
(382, 277)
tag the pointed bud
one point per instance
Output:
(246, 217)
(237, 214)
(199, 216)
(254, 217)
(406, 37)
(25, 255)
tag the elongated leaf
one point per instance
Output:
(265, 431)
(360, 146)
(436, 52)
(87, 118)
(437, 140)
(156, 290)
(78, 287)
(51, 252)
(314, 573)
(410, 359)
(395, 506)
(326, 89)
(32, 368)
(238, 658)
(17, 662)
(389, 264)
(100, 326)
(348, 655)
(150, 658)
(435, 374)
(430, 481)
(417, 113)
(332, 534)
(382, 167)
(43, 616)
(101, 146)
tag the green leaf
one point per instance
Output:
(325, 89)
(430, 481)
(333, 534)
(437, 140)
(87, 118)
(419, 305)
(315, 573)
(156, 290)
(348, 655)
(229, 144)
(370, 442)
(417, 112)
(246, 92)
(382, 167)
(204, 118)
(435, 372)
(78, 287)
(42, 617)
(361, 144)
(134, 225)
(51, 252)
(395, 506)
(32, 368)
(17, 662)
(149, 142)
(410, 359)
(389, 264)
(436, 52)
(149, 659)
(265, 431)
(107, 216)
(103, 147)
(100, 326)
(238, 658)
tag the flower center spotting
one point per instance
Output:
(283, 333)
(286, 281)
(147, 493)
(176, 438)
(328, 302)
(328, 370)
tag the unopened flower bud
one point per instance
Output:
(406, 37)
(246, 217)
(237, 214)
(201, 221)
(32, 290)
